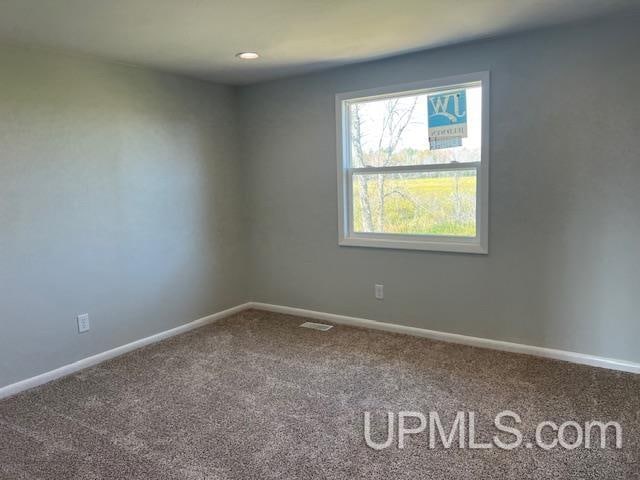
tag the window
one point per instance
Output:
(413, 165)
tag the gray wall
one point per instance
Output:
(564, 263)
(145, 200)
(120, 196)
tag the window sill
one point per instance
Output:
(435, 245)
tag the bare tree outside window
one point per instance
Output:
(393, 132)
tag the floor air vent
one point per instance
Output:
(316, 326)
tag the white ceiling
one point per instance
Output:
(200, 37)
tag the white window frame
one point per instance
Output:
(440, 243)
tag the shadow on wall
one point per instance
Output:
(119, 196)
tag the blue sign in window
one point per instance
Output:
(447, 109)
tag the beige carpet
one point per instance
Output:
(256, 397)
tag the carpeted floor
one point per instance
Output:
(256, 397)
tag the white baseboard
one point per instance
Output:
(581, 358)
(65, 370)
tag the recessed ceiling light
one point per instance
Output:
(247, 55)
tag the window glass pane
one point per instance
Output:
(395, 131)
(425, 203)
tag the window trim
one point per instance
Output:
(439, 243)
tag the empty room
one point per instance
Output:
(319, 239)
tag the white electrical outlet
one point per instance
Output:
(83, 323)
(379, 291)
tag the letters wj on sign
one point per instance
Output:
(447, 120)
